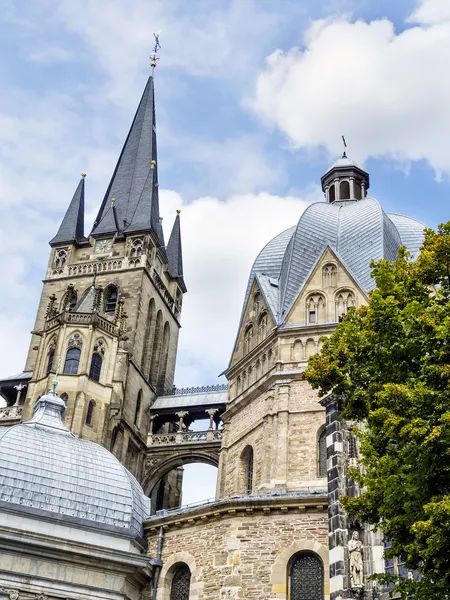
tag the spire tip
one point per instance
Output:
(83, 175)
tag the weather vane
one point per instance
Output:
(344, 154)
(154, 56)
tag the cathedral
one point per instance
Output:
(94, 435)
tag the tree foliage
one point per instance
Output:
(390, 361)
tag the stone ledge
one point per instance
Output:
(301, 501)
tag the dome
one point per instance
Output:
(356, 231)
(47, 471)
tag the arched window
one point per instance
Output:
(306, 577)
(344, 300)
(90, 412)
(96, 367)
(60, 258)
(65, 398)
(50, 358)
(329, 276)
(262, 327)
(315, 309)
(310, 348)
(322, 454)
(181, 583)
(344, 191)
(137, 246)
(148, 338)
(297, 350)
(248, 338)
(332, 193)
(247, 464)
(164, 358)
(110, 298)
(256, 302)
(137, 412)
(156, 350)
(357, 188)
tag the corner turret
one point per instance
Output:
(72, 226)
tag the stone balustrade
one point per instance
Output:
(76, 318)
(11, 413)
(184, 437)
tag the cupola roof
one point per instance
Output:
(47, 471)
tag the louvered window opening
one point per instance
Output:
(323, 454)
(111, 299)
(181, 584)
(96, 367)
(306, 578)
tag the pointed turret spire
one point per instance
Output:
(134, 184)
(174, 253)
(72, 226)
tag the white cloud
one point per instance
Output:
(50, 54)
(221, 239)
(387, 92)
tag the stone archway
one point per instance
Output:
(279, 573)
(158, 464)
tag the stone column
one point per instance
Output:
(19, 389)
(210, 412)
(363, 189)
(282, 435)
(337, 191)
(352, 187)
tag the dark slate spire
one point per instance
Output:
(174, 253)
(134, 184)
(72, 226)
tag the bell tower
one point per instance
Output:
(109, 314)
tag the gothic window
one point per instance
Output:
(315, 309)
(164, 358)
(306, 577)
(96, 367)
(60, 258)
(156, 350)
(147, 349)
(262, 327)
(344, 300)
(90, 412)
(99, 347)
(247, 463)
(181, 583)
(256, 302)
(332, 193)
(329, 276)
(73, 354)
(344, 192)
(137, 247)
(322, 454)
(248, 337)
(178, 301)
(137, 412)
(110, 298)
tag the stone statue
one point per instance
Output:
(356, 562)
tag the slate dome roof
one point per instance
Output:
(356, 230)
(47, 471)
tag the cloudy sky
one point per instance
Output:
(252, 99)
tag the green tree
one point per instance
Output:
(390, 362)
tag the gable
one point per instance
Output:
(328, 291)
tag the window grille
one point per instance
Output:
(181, 584)
(306, 578)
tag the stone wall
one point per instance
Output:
(240, 553)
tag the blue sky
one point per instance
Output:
(252, 98)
